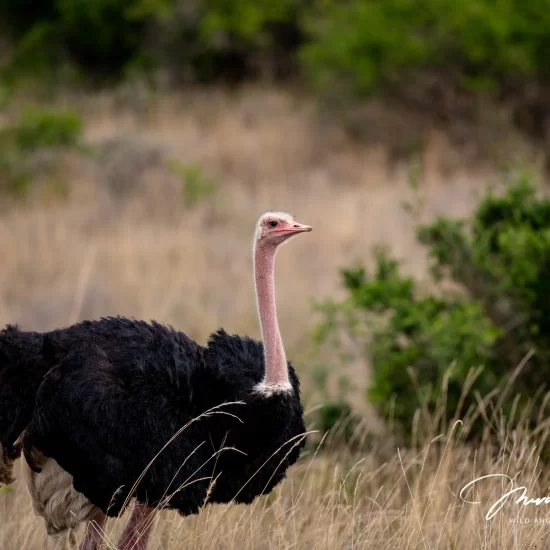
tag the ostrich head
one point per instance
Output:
(275, 228)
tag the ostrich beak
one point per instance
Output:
(300, 228)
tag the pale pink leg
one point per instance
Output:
(137, 530)
(93, 539)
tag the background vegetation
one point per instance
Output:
(435, 55)
(140, 139)
(467, 339)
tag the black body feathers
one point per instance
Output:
(22, 368)
(117, 390)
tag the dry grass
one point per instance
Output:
(124, 243)
(379, 497)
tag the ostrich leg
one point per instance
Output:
(137, 530)
(93, 539)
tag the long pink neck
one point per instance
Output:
(276, 371)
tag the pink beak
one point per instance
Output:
(299, 228)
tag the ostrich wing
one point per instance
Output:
(104, 422)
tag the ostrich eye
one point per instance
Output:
(273, 223)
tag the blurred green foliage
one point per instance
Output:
(419, 342)
(366, 44)
(101, 36)
(29, 146)
(333, 415)
(39, 127)
(107, 37)
(478, 44)
(195, 185)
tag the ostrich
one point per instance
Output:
(137, 409)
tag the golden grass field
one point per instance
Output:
(123, 242)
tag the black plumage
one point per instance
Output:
(145, 381)
(21, 371)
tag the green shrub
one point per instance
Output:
(99, 36)
(38, 131)
(419, 342)
(219, 40)
(502, 259)
(195, 186)
(334, 414)
(364, 44)
(474, 43)
(206, 39)
(39, 127)
(245, 20)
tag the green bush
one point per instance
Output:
(432, 55)
(219, 40)
(195, 186)
(366, 44)
(419, 342)
(38, 131)
(243, 20)
(206, 39)
(334, 414)
(39, 127)
(502, 259)
(100, 36)
(474, 43)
